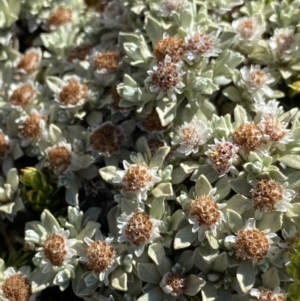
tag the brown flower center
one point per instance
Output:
(266, 194)
(107, 139)
(246, 28)
(248, 136)
(189, 135)
(204, 210)
(221, 156)
(267, 295)
(166, 76)
(73, 93)
(60, 17)
(4, 145)
(172, 46)
(136, 177)
(200, 43)
(274, 129)
(108, 60)
(16, 288)
(177, 282)
(31, 127)
(29, 62)
(152, 123)
(60, 159)
(173, 5)
(251, 245)
(139, 228)
(79, 53)
(55, 249)
(99, 256)
(284, 42)
(257, 78)
(22, 95)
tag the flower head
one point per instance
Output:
(80, 53)
(248, 137)
(114, 14)
(269, 109)
(137, 178)
(15, 285)
(173, 284)
(199, 44)
(190, 136)
(33, 128)
(171, 46)
(256, 81)
(60, 17)
(221, 155)
(139, 229)
(57, 249)
(74, 93)
(166, 78)
(105, 62)
(4, 144)
(251, 244)
(247, 29)
(269, 195)
(61, 159)
(152, 123)
(170, 6)
(267, 295)
(107, 138)
(100, 256)
(29, 62)
(204, 214)
(22, 94)
(283, 43)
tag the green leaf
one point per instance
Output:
(294, 180)
(119, 280)
(240, 115)
(193, 285)
(208, 253)
(48, 221)
(157, 253)
(157, 208)
(241, 186)
(246, 276)
(207, 171)
(239, 204)
(234, 220)
(148, 272)
(232, 93)
(270, 220)
(184, 238)
(292, 161)
(108, 173)
(153, 295)
(159, 157)
(223, 188)
(270, 279)
(163, 190)
(202, 186)
(220, 263)
(154, 30)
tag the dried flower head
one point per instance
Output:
(57, 249)
(173, 284)
(139, 229)
(251, 244)
(166, 78)
(204, 214)
(73, 93)
(59, 17)
(170, 6)
(190, 136)
(256, 81)
(106, 62)
(21, 94)
(107, 138)
(269, 109)
(4, 144)
(152, 123)
(267, 295)
(33, 128)
(29, 62)
(137, 178)
(248, 137)
(269, 195)
(15, 286)
(199, 44)
(114, 14)
(247, 28)
(221, 155)
(171, 46)
(80, 53)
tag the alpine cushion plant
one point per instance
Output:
(149, 150)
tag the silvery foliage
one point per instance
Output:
(234, 92)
